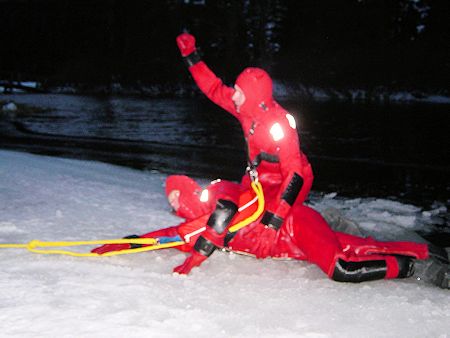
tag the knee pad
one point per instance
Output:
(356, 272)
(222, 216)
(204, 246)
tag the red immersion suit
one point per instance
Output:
(304, 235)
(286, 177)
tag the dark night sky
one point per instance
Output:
(340, 43)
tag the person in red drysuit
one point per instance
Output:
(288, 229)
(189, 201)
(273, 153)
(354, 258)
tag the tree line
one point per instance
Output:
(327, 43)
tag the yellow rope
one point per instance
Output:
(35, 244)
(152, 243)
(257, 188)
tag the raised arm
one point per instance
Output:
(205, 79)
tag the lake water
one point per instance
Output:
(380, 150)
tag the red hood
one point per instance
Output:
(257, 87)
(189, 200)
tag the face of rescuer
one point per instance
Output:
(238, 97)
(253, 89)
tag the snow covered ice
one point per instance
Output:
(228, 296)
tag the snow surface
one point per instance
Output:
(228, 296)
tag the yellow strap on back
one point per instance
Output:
(257, 188)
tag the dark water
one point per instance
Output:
(397, 151)
(389, 150)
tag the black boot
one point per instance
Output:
(436, 252)
(434, 271)
(443, 278)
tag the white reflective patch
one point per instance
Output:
(187, 238)
(245, 206)
(291, 120)
(204, 197)
(277, 132)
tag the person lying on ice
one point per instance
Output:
(343, 257)
(287, 228)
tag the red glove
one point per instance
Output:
(191, 262)
(111, 247)
(186, 44)
(116, 247)
(264, 241)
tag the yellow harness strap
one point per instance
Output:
(152, 243)
(257, 188)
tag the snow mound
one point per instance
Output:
(229, 296)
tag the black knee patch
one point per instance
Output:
(293, 189)
(356, 272)
(204, 247)
(221, 217)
